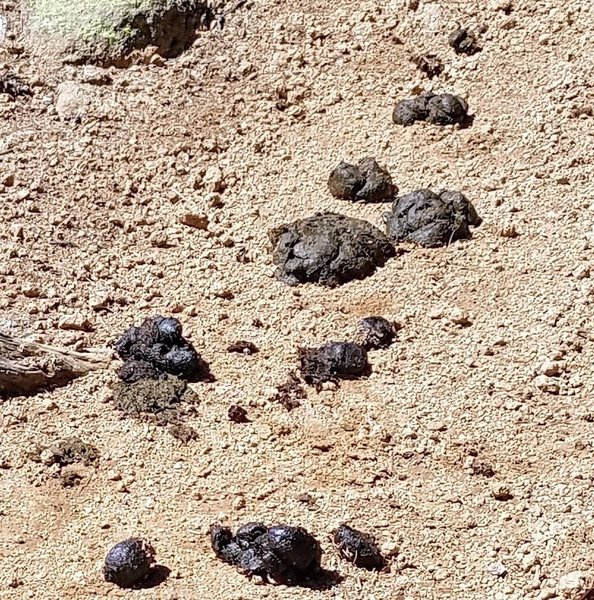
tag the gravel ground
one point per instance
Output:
(468, 451)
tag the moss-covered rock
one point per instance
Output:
(107, 31)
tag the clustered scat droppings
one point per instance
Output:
(157, 348)
(281, 554)
(438, 109)
(431, 220)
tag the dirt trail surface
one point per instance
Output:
(468, 452)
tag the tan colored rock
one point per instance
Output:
(576, 585)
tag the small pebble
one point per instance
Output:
(497, 569)
(195, 220)
(238, 414)
(501, 491)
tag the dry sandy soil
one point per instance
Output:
(90, 230)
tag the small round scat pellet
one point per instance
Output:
(128, 562)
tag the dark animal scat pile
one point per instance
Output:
(359, 548)
(280, 554)
(439, 109)
(129, 562)
(376, 332)
(156, 348)
(332, 362)
(430, 219)
(364, 182)
(329, 249)
(464, 42)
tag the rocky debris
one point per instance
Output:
(195, 220)
(290, 393)
(501, 491)
(129, 562)
(439, 109)
(238, 414)
(329, 249)
(94, 76)
(243, 347)
(358, 548)
(214, 180)
(464, 42)
(549, 385)
(577, 585)
(280, 554)
(497, 569)
(70, 478)
(458, 316)
(508, 230)
(159, 239)
(332, 362)
(429, 64)
(70, 451)
(184, 433)
(364, 182)
(156, 348)
(478, 467)
(107, 32)
(553, 368)
(376, 333)
(430, 219)
(75, 322)
(13, 85)
(153, 399)
(73, 101)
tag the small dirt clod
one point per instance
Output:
(439, 109)
(70, 479)
(291, 392)
(464, 42)
(238, 414)
(12, 85)
(329, 249)
(358, 548)
(376, 332)
(332, 362)
(364, 182)
(243, 347)
(184, 433)
(482, 468)
(128, 562)
(430, 219)
(160, 398)
(70, 451)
